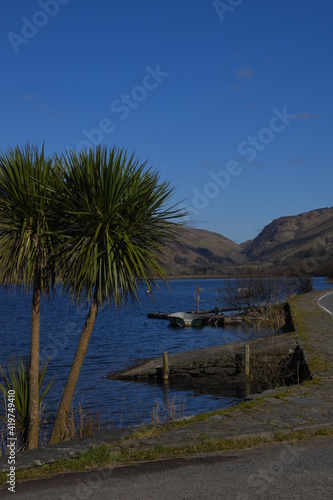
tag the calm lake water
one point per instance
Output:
(120, 338)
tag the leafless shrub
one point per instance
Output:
(271, 318)
(255, 292)
(302, 283)
(276, 369)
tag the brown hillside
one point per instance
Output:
(201, 252)
(308, 234)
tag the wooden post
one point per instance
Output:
(165, 366)
(247, 361)
(198, 298)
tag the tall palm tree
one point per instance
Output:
(26, 244)
(116, 221)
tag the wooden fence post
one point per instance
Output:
(165, 366)
(247, 361)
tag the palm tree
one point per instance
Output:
(26, 244)
(116, 223)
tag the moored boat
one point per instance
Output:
(182, 319)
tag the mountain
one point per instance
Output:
(309, 234)
(197, 252)
(286, 242)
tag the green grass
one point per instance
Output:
(302, 320)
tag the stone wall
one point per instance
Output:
(274, 361)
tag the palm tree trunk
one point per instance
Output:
(34, 371)
(58, 430)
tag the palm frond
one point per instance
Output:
(115, 223)
(27, 244)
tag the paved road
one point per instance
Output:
(276, 471)
(325, 302)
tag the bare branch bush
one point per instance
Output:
(271, 318)
(256, 292)
(276, 369)
(301, 283)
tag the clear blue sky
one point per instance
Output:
(231, 101)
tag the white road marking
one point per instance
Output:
(322, 307)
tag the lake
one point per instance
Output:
(120, 338)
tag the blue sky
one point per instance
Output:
(230, 100)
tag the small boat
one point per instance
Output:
(182, 319)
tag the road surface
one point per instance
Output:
(325, 302)
(276, 471)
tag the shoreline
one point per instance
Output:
(283, 411)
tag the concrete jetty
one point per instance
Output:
(220, 369)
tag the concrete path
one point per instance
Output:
(284, 409)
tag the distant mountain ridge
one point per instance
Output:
(202, 252)
(198, 252)
(306, 234)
